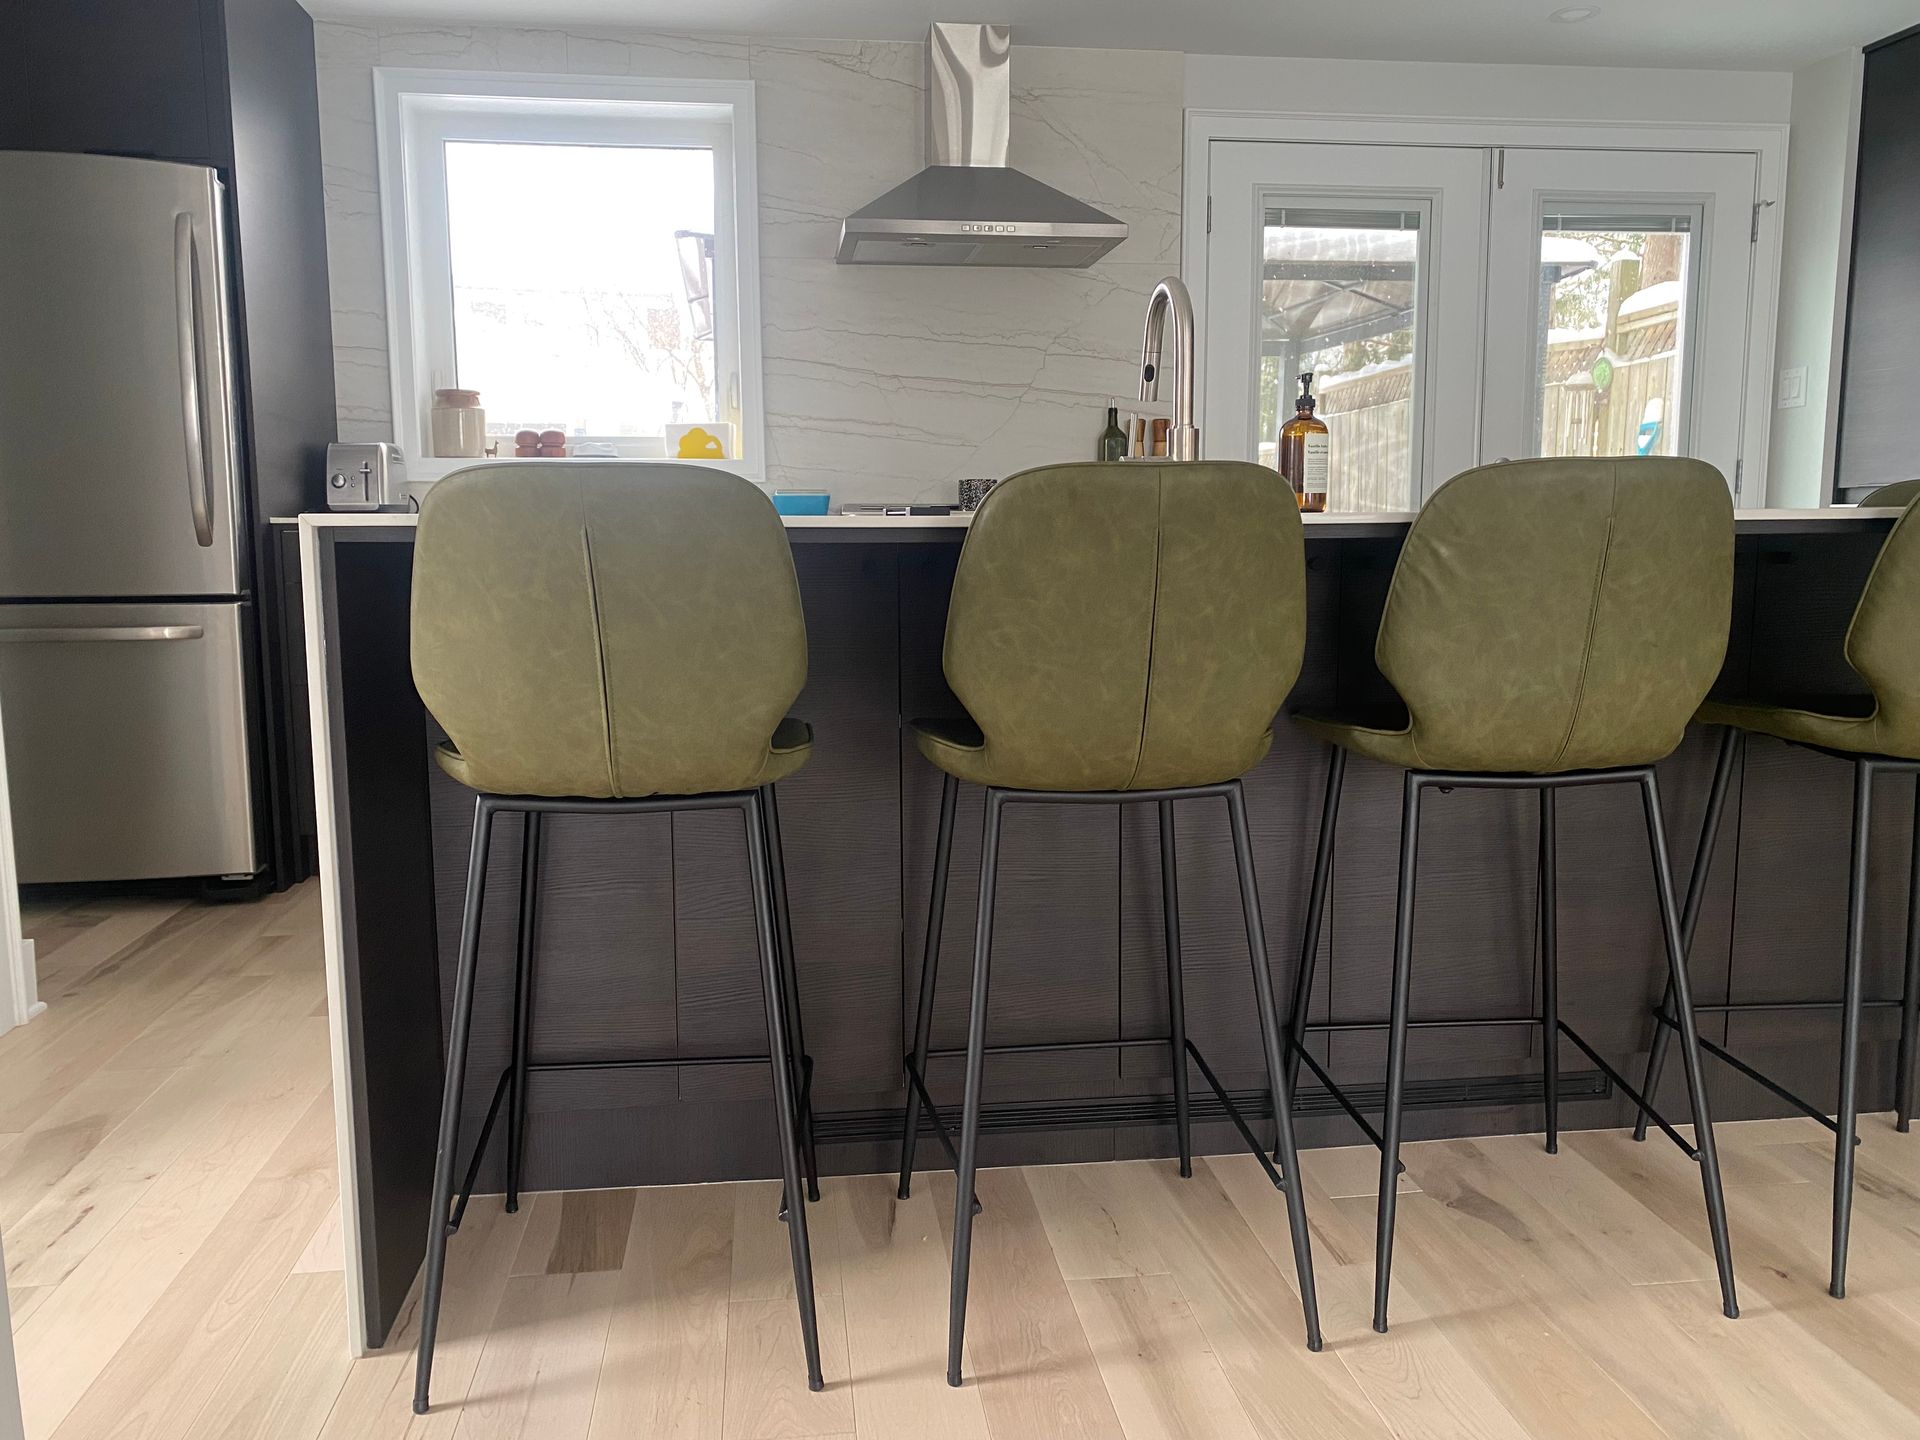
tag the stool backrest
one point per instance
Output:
(1551, 615)
(1900, 492)
(605, 630)
(1883, 641)
(1129, 626)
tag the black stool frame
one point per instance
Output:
(786, 1045)
(1285, 1178)
(1846, 1138)
(1551, 1025)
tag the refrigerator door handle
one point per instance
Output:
(66, 634)
(186, 322)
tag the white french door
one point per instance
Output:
(1361, 264)
(1458, 304)
(1619, 296)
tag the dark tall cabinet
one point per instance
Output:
(1879, 439)
(229, 84)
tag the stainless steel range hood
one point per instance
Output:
(969, 207)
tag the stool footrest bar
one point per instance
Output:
(1239, 1121)
(804, 1108)
(1646, 1105)
(1334, 1027)
(930, 1114)
(479, 1150)
(1326, 1080)
(1742, 1007)
(662, 1063)
(1040, 1047)
(1727, 1057)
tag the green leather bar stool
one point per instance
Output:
(1117, 633)
(1551, 623)
(1900, 494)
(1878, 736)
(610, 639)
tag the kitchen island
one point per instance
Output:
(646, 949)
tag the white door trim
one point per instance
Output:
(1768, 143)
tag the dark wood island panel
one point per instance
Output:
(646, 949)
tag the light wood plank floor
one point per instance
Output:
(167, 1198)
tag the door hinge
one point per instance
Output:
(1500, 168)
(1753, 235)
(1209, 214)
(1738, 466)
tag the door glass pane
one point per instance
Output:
(1339, 292)
(582, 284)
(1610, 333)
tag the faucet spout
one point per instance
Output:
(1170, 297)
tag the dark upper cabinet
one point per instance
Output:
(1879, 439)
(116, 76)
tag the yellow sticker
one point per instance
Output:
(701, 444)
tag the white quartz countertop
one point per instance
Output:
(1346, 523)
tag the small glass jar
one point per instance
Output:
(459, 425)
(973, 490)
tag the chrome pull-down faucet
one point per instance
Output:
(1170, 295)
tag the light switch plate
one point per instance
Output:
(1791, 393)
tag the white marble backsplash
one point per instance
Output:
(882, 382)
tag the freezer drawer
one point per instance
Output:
(126, 736)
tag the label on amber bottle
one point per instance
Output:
(1313, 464)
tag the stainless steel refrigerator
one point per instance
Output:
(125, 615)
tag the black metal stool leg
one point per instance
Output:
(1549, 970)
(1843, 1145)
(1690, 1042)
(800, 1063)
(1316, 914)
(929, 969)
(522, 1006)
(1910, 991)
(783, 1091)
(1396, 1048)
(1176, 988)
(450, 1098)
(976, 1065)
(1732, 742)
(1276, 1063)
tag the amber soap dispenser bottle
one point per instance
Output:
(1303, 451)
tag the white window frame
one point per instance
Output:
(417, 111)
(1445, 425)
(1698, 211)
(1768, 143)
(1427, 206)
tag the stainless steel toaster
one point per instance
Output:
(366, 476)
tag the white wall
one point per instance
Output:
(886, 382)
(1486, 92)
(882, 382)
(1816, 241)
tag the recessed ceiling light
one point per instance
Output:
(1574, 14)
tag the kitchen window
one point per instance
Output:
(580, 254)
(1458, 303)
